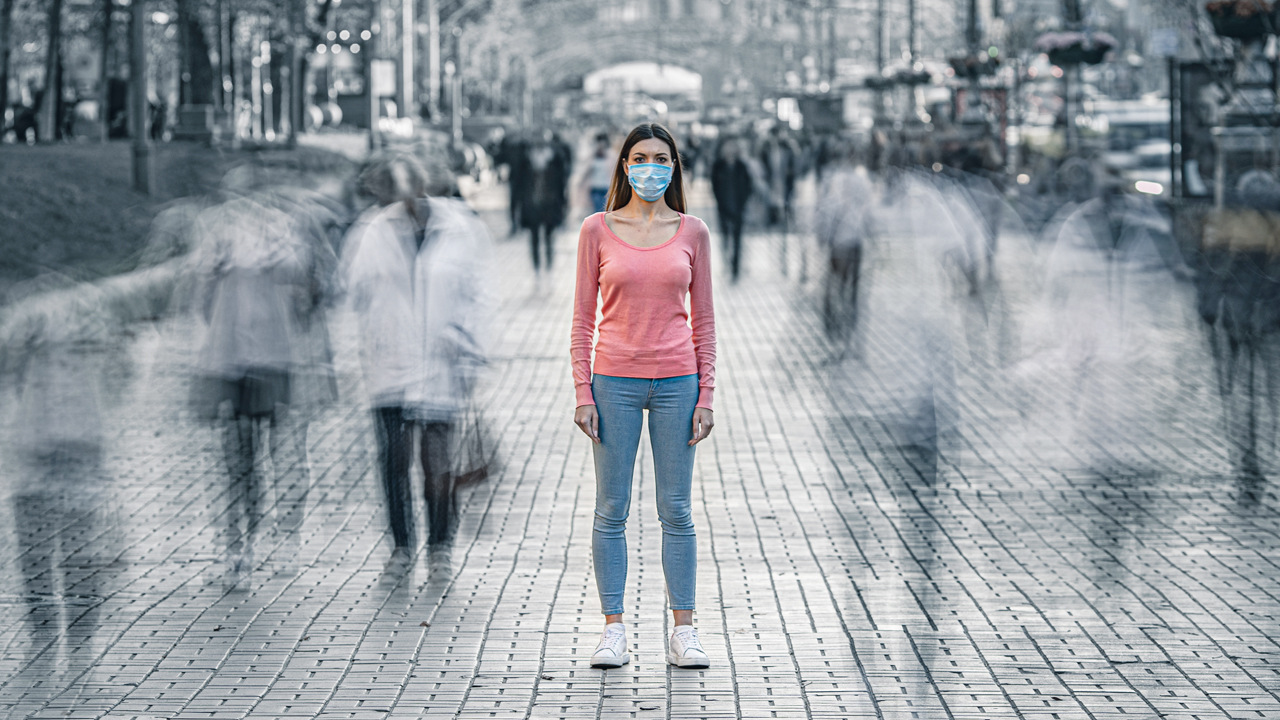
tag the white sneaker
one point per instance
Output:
(440, 563)
(612, 650)
(399, 564)
(685, 650)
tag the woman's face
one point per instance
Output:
(652, 150)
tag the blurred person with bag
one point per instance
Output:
(415, 278)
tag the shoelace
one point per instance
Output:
(611, 641)
(689, 639)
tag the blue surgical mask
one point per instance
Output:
(650, 180)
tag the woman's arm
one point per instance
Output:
(703, 318)
(703, 321)
(585, 300)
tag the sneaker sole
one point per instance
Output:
(689, 664)
(614, 663)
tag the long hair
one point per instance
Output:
(620, 189)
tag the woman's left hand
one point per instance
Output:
(702, 424)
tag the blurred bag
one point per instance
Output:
(475, 447)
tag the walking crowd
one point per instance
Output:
(261, 264)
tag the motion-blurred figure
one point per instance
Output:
(732, 186)
(600, 173)
(780, 156)
(416, 281)
(546, 199)
(968, 169)
(1110, 291)
(256, 292)
(840, 223)
(512, 152)
(920, 241)
(1239, 301)
(56, 342)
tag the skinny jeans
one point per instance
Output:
(620, 406)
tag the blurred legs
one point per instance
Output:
(239, 448)
(541, 235)
(840, 296)
(395, 453)
(292, 471)
(731, 226)
(439, 485)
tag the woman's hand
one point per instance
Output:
(702, 424)
(586, 418)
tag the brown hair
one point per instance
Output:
(620, 190)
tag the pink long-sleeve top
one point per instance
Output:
(645, 329)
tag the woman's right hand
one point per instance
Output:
(588, 421)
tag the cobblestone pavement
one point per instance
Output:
(1082, 549)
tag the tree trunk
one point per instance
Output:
(6, 23)
(104, 74)
(52, 77)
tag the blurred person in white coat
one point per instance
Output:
(415, 279)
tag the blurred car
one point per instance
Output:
(1145, 169)
(1137, 143)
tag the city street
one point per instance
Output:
(1082, 548)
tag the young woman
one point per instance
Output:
(643, 258)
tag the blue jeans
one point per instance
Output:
(620, 404)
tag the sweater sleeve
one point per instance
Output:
(703, 318)
(585, 302)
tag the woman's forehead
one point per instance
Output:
(651, 146)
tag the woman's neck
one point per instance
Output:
(640, 209)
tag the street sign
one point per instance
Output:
(1164, 42)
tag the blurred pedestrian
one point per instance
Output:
(691, 155)
(731, 184)
(600, 173)
(1238, 298)
(644, 258)
(780, 156)
(841, 225)
(251, 267)
(546, 200)
(511, 152)
(415, 281)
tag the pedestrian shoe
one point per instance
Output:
(440, 562)
(399, 563)
(224, 573)
(612, 650)
(685, 650)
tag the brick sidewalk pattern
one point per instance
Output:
(1082, 551)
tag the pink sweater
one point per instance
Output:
(645, 331)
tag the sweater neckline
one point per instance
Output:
(608, 230)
